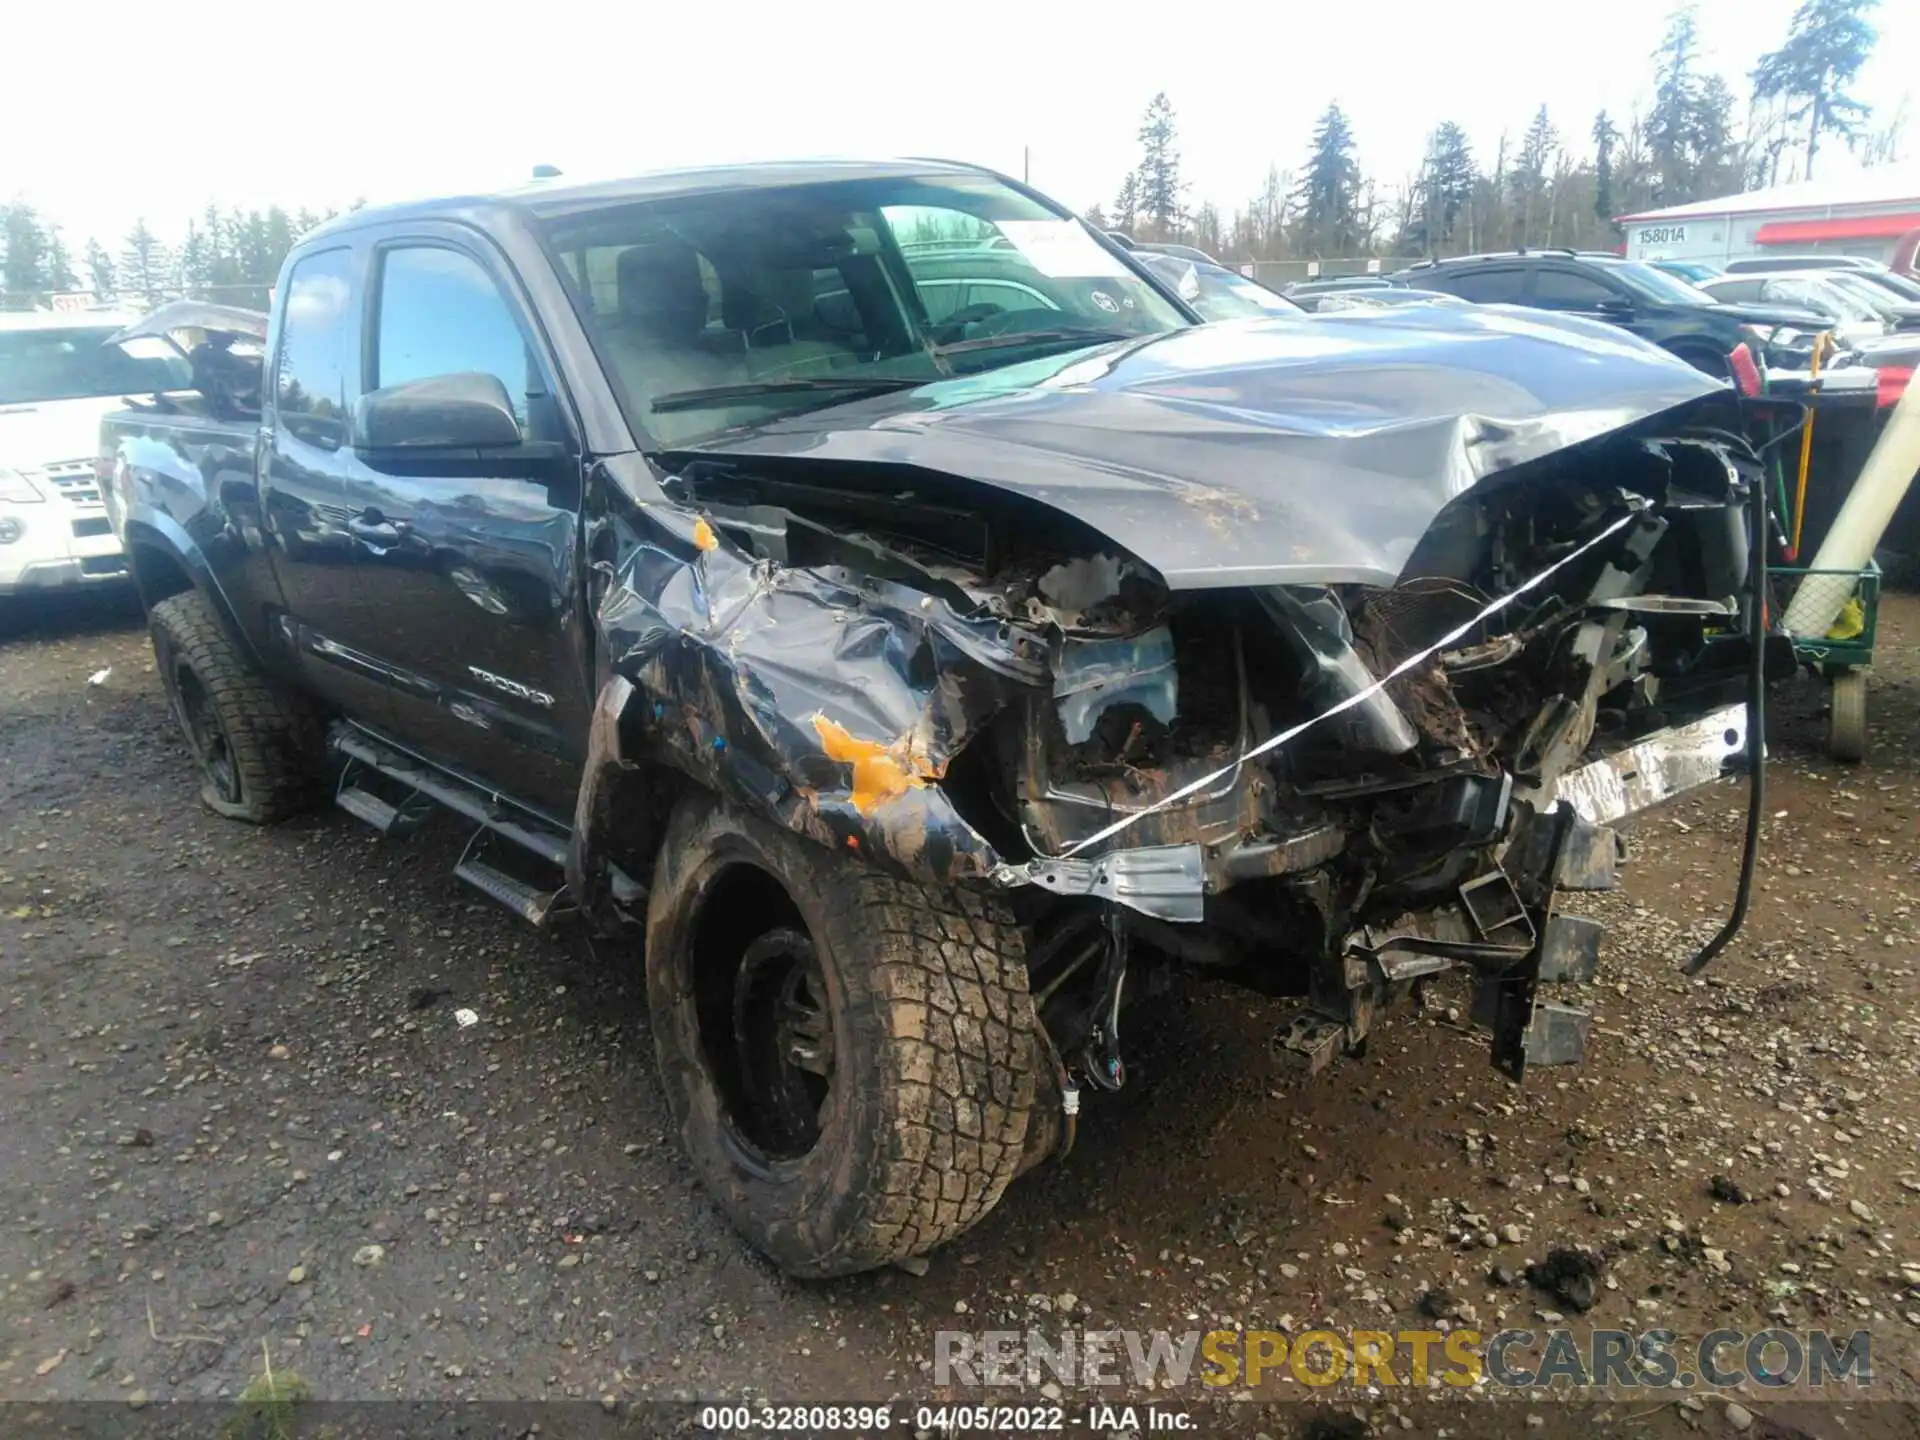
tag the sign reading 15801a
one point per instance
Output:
(1662, 234)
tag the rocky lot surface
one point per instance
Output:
(242, 1114)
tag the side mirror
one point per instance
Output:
(1616, 305)
(465, 411)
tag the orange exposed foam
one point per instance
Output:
(880, 772)
(703, 535)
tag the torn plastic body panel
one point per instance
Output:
(831, 700)
(1304, 777)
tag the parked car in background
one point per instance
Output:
(1902, 287)
(1753, 264)
(1638, 298)
(57, 378)
(1215, 291)
(1851, 319)
(1691, 271)
(1376, 297)
(1900, 312)
(1182, 252)
(1863, 268)
(1301, 288)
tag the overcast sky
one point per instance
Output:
(125, 110)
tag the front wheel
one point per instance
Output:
(258, 747)
(849, 1057)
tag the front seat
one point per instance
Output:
(775, 311)
(654, 337)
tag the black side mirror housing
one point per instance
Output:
(1616, 305)
(464, 411)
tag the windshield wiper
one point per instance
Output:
(1086, 336)
(722, 394)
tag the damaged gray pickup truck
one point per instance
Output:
(871, 582)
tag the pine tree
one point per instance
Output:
(1160, 186)
(1126, 205)
(1330, 194)
(1716, 168)
(1446, 184)
(60, 274)
(23, 270)
(99, 269)
(1827, 43)
(145, 267)
(1676, 98)
(1530, 174)
(1605, 137)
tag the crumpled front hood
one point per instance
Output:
(1313, 450)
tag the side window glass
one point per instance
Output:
(441, 314)
(941, 297)
(314, 370)
(1567, 288)
(1489, 287)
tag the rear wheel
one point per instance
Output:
(849, 1057)
(258, 747)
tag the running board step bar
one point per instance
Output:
(535, 845)
(382, 814)
(465, 799)
(529, 902)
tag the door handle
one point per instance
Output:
(373, 529)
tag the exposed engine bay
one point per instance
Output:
(1327, 790)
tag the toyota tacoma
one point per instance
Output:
(920, 676)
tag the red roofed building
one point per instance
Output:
(1863, 212)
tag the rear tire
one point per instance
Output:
(849, 1058)
(258, 746)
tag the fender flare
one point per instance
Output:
(151, 529)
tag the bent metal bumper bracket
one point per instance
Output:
(1167, 882)
(1665, 764)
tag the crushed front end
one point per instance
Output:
(1332, 789)
(1340, 790)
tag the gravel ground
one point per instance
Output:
(240, 1112)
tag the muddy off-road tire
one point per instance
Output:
(849, 1058)
(258, 747)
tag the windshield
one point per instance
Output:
(1897, 285)
(716, 304)
(1215, 291)
(1827, 295)
(1235, 295)
(72, 362)
(1866, 295)
(1651, 284)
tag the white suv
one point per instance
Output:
(57, 379)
